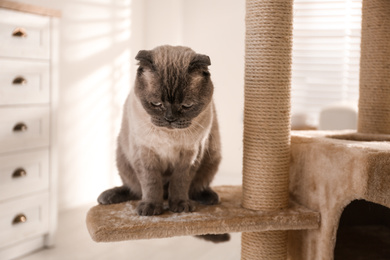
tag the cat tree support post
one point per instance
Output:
(374, 101)
(267, 120)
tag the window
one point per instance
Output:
(326, 53)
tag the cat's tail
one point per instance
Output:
(209, 197)
(117, 195)
(215, 238)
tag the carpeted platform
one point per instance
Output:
(120, 222)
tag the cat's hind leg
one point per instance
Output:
(209, 197)
(206, 196)
(116, 195)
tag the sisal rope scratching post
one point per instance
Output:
(267, 120)
(374, 101)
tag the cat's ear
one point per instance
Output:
(145, 58)
(199, 62)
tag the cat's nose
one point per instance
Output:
(170, 119)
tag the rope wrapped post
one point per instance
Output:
(266, 157)
(374, 100)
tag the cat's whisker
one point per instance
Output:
(146, 131)
(143, 128)
(184, 135)
(211, 135)
(150, 130)
(198, 124)
(143, 125)
(191, 135)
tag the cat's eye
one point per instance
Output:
(186, 106)
(156, 104)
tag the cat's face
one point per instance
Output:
(173, 85)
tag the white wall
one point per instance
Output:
(163, 22)
(99, 39)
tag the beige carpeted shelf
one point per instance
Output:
(118, 222)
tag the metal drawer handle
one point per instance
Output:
(19, 32)
(20, 218)
(19, 81)
(20, 127)
(18, 173)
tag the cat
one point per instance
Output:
(169, 143)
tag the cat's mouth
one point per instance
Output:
(179, 124)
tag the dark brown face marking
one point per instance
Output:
(173, 85)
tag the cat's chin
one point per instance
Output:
(176, 126)
(180, 126)
(172, 126)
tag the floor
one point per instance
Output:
(73, 242)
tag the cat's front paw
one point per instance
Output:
(181, 206)
(149, 209)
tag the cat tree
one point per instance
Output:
(329, 170)
(262, 209)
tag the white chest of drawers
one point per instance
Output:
(28, 87)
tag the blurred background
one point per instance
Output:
(100, 38)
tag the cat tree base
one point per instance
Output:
(118, 222)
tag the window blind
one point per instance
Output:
(326, 54)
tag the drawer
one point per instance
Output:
(24, 127)
(24, 35)
(23, 173)
(23, 218)
(24, 82)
